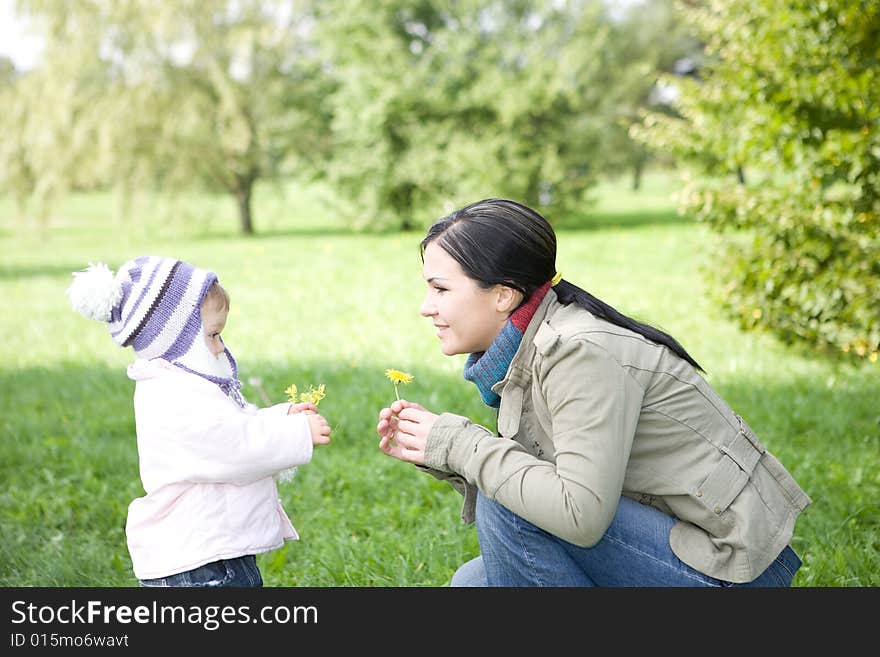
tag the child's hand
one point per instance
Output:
(302, 406)
(320, 428)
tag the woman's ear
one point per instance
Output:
(507, 299)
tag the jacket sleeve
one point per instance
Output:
(466, 489)
(196, 433)
(594, 407)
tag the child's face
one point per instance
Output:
(214, 321)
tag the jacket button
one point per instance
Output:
(717, 510)
(700, 492)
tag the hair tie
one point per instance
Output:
(556, 279)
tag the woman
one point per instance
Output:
(616, 463)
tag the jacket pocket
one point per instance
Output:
(722, 486)
(739, 458)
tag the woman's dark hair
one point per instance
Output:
(498, 241)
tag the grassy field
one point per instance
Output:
(312, 303)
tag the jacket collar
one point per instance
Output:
(520, 371)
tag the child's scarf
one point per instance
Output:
(221, 370)
(486, 368)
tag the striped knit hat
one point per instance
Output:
(151, 305)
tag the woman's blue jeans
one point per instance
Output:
(633, 552)
(240, 571)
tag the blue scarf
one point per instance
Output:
(486, 368)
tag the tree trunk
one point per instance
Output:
(637, 174)
(243, 197)
(642, 157)
(402, 203)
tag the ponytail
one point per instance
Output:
(568, 293)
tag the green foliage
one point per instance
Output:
(174, 96)
(491, 99)
(51, 126)
(319, 304)
(790, 95)
(403, 106)
(646, 41)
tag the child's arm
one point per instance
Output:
(319, 426)
(190, 432)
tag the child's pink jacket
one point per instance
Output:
(207, 468)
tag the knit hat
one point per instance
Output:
(153, 305)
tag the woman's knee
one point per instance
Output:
(469, 574)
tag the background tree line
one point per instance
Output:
(407, 107)
(403, 106)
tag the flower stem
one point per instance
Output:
(395, 391)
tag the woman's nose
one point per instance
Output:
(427, 309)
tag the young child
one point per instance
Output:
(208, 458)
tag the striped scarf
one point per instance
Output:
(486, 368)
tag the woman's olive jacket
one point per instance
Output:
(591, 411)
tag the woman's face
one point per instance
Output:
(467, 317)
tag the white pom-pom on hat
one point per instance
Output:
(94, 292)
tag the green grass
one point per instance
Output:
(313, 304)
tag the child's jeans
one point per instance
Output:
(240, 571)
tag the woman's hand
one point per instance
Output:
(403, 430)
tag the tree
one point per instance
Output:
(649, 39)
(49, 123)
(791, 93)
(180, 94)
(15, 173)
(491, 98)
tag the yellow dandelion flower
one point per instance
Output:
(397, 377)
(313, 394)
